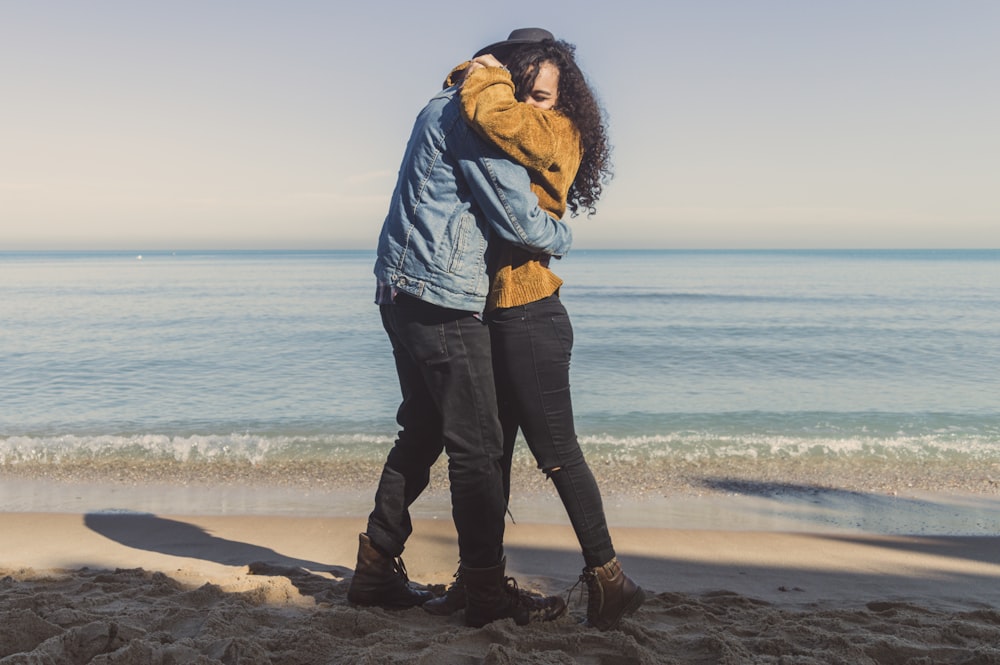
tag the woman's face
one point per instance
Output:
(545, 93)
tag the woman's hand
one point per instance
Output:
(485, 61)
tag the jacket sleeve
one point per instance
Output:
(502, 189)
(532, 137)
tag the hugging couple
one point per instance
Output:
(480, 338)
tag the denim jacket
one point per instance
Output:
(453, 194)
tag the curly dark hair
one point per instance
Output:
(578, 102)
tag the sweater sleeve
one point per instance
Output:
(456, 75)
(531, 137)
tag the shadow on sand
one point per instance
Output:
(151, 533)
(561, 566)
(871, 513)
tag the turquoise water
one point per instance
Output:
(280, 355)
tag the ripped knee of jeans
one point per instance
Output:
(549, 472)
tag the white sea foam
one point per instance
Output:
(687, 446)
(253, 448)
(700, 445)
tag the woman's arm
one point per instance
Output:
(456, 75)
(532, 137)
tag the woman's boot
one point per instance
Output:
(611, 595)
(491, 596)
(381, 580)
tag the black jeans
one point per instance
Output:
(449, 403)
(532, 345)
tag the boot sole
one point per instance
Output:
(439, 611)
(375, 601)
(384, 606)
(479, 621)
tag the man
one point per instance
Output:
(453, 193)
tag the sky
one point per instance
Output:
(735, 124)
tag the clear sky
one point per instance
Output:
(736, 124)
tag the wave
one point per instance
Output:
(694, 446)
(198, 448)
(691, 439)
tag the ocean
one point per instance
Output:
(277, 359)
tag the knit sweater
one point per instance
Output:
(547, 144)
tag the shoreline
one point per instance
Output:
(667, 475)
(725, 496)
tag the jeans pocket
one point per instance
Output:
(562, 333)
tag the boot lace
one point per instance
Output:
(457, 577)
(524, 598)
(589, 579)
(399, 568)
(513, 590)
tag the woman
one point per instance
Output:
(540, 111)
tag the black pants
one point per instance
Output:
(449, 403)
(532, 345)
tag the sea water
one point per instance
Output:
(271, 356)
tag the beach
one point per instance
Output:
(775, 574)
(798, 452)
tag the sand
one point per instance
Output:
(730, 578)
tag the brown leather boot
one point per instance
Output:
(611, 595)
(381, 580)
(453, 600)
(491, 596)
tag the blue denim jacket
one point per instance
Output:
(453, 194)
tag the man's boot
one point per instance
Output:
(381, 580)
(611, 595)
(453, 600)
(491, 596)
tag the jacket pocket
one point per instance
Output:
(460, 247)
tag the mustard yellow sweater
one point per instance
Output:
(548, 145)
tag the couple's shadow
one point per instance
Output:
(151, 533)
